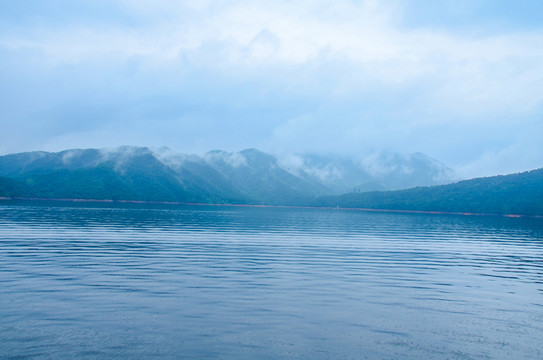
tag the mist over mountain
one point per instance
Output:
(246, 177)
(374, 171)
(520, 194)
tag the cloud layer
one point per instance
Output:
(284, 76)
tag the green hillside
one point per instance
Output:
(132, 173)
(10, 188)
(509, 194)
(254, 177)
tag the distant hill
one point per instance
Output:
(371, 172)
(246, 177)
(520, 194)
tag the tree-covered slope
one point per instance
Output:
(254, 177)
(126, 174)
(246, 177)
(508, 194)
(10, 188)
(133, 173)
(261, 177)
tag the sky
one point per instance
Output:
(458, 80)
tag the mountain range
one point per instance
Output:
(380, 180)
(246, 177)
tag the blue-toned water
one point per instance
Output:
(202, 282)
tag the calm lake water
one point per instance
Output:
(202, 282)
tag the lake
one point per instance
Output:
(106, 281)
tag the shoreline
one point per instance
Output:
(111, 201)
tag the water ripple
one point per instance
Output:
(97, 282)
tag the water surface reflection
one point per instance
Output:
(94, 281)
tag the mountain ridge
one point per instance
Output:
(252, 177)
(249, 176)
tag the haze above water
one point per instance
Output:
(100, 282)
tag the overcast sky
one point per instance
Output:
(459, 80)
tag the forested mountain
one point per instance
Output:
(509, 194)
(10, 187)
(122, 174)
(246, 177)
(254, 177)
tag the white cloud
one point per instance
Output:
(336, 75)
(233, 159)
(481, 74)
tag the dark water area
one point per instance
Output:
(98, 281)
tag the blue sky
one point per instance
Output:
(458, 80)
